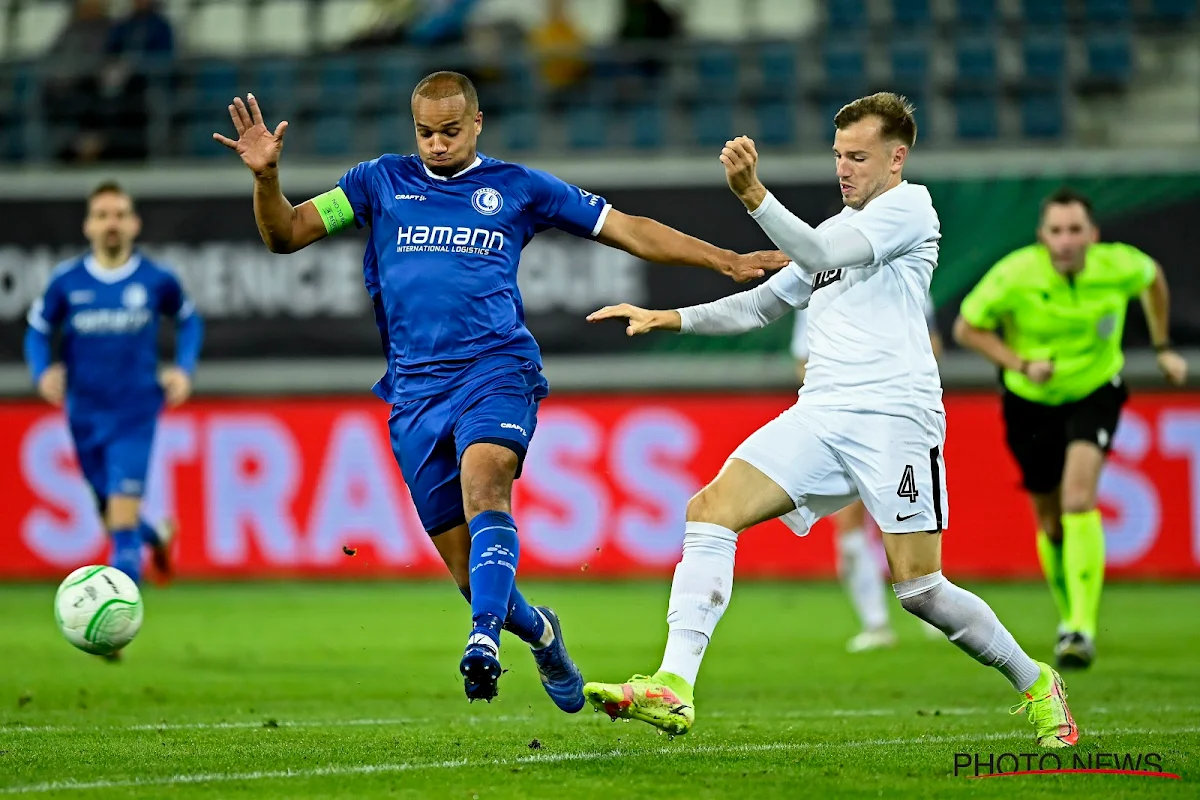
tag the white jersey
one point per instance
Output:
(868, 339)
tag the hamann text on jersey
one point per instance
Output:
(442, 261)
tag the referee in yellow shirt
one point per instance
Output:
(1061, 304)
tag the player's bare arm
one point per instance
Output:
(284, 228)
(641, 320)
(813, 251)
(989, 345)
(1156, 302)
(653, 241)
(737, 313)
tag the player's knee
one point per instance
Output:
(1077, 500)
(702, 507)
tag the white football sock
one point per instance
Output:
(699, 595)
(862, 578)
(970, 624)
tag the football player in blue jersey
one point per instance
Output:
(107, 305)
(464, 373)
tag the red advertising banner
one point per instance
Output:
(276, 487)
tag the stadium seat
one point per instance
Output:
(274, 84)
(36, 26)
(712, 122)
(214, 85)
(1044, 58)
(341, 20)
(393, 133)
(776, 122)
(587, 127)
(1044, 13)
(975, 61)
(4, 30)
(219, 29)
(334, 134)
(521, 128)
(648, 125)
(1042, 114)
(908, 14)
(716, 20)
(339, 82)
(1107, 11)
(398, 74)
(776, 19)
(845, 64)
(283, 27)
(1110, 56)
(717, 70)
(976, 14)
(778, 69)
(977, 116)
(1175, 11)
(910, 63)
(846, 15)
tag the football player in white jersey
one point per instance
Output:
(868, 422)
(858, 564)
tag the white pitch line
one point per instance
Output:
(542, 758)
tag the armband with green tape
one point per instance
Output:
(334, 208)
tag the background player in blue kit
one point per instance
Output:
(464, 374)
(107, 305)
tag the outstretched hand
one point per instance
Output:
(257, 146)
(641, 320)
(749, 266)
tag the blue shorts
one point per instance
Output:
(114, 460)
(430, 435)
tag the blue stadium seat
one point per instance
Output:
(845, 63)
(1044, 13)
(398, 74)
(911, 14)
(777, 65)
(776, 122)
(393, 133)
(333, 134)
(520, 81)
(977, 116)
(275, 84)
(521, 128)
(339, 82)
(1175, 11)
(1043, 114)
(1107, 11)
(712, 123)
(214, 85)
(847, 15)
(976, 13)
(1044, 57)
(587, 127)
(975, 61)
(648, 124)
(910, 63)
(717, 70)
(1110, 56)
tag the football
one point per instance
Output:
(99, 609)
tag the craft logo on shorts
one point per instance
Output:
(134, 296)
(487, 201)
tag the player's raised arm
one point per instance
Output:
(284, 228)
(651, 240)
(737, 313)
(813, 251)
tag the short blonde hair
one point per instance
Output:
(894, 111)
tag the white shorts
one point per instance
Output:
(826, 458)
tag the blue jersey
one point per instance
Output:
(109, 320)
(441, 265)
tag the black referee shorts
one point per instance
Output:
(1038, 434)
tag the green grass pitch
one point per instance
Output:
(351, 690)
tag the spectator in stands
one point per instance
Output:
(643, 23)
(560, 50)
(139, 46)
(71, 92)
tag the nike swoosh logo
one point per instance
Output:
(903, 519)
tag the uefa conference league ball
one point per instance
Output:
(98, 609)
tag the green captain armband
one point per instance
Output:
(334, 208)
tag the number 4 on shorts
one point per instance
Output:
(908, 485)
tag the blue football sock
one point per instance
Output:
(494, 554)
(147, 532)
(127, 553)
(523, 619)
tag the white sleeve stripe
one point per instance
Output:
(600, 221)
(186, 310)
(35, 318)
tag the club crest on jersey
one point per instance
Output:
(487, 201)
(134, 296)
